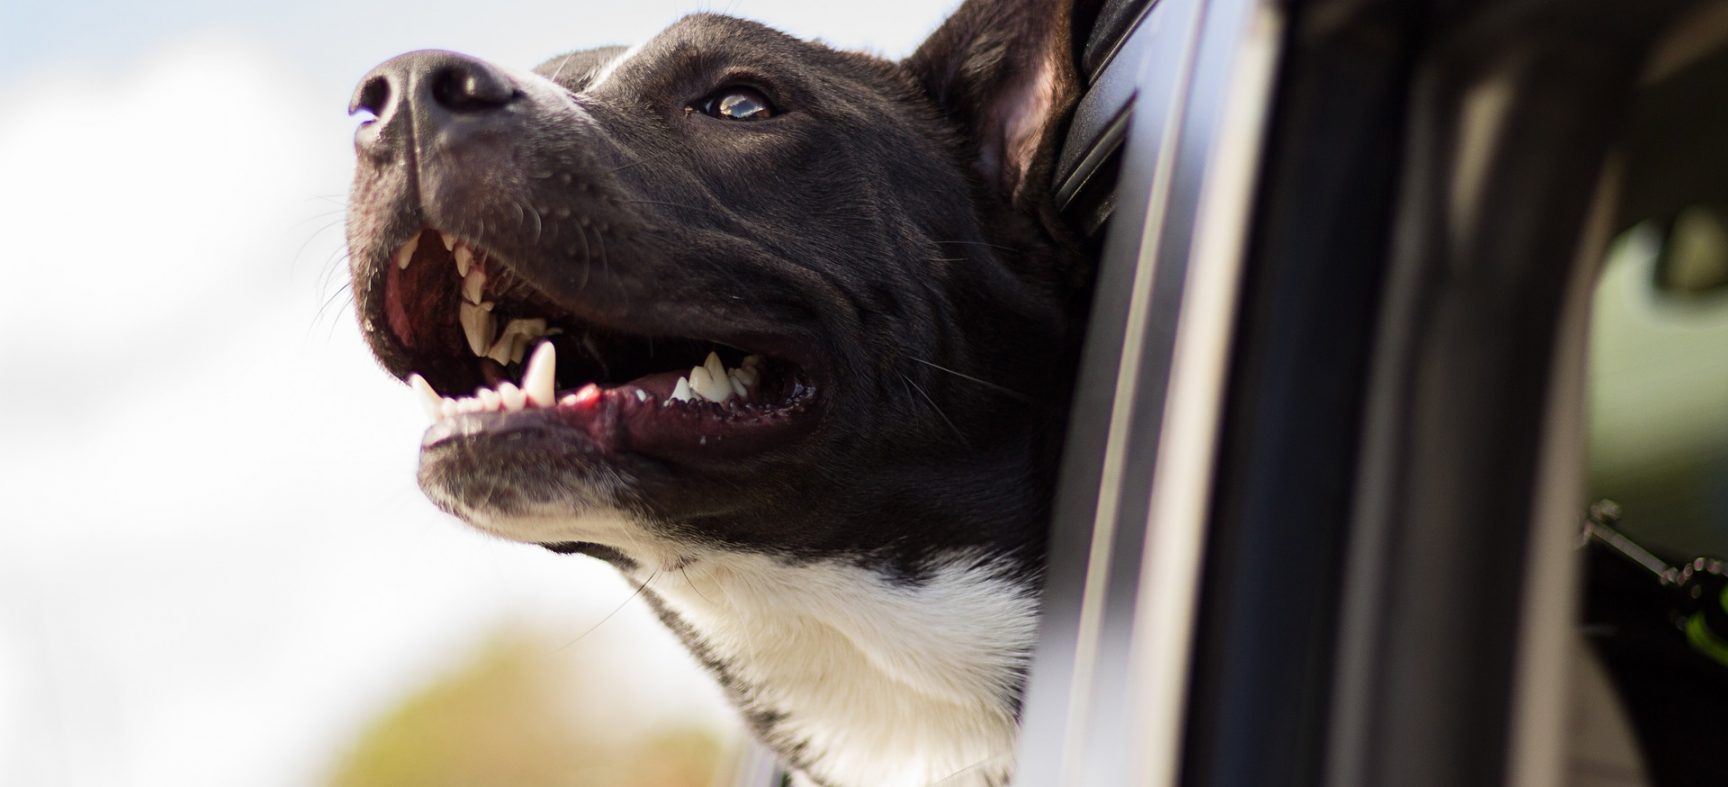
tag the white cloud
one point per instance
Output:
(214, 565)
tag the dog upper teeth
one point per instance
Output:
(405, 254)
(478, 325)
(713, 382)
(704, 384)
(464, 260)
(473, 285)
(448, 239)
(513, 342)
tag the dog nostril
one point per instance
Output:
(470, 87)
(373, 96)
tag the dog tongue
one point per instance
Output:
(659, 385)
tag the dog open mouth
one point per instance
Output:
(491, 353)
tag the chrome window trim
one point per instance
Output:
(1118, 607)
(1248, 37)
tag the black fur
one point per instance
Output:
(890, 230)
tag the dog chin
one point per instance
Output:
(611, 527)
(613, 534)
(542, 510)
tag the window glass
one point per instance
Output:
(1658, 434)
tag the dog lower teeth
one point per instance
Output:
(540, 380)
(710, 382)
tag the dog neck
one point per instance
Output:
(863, 678)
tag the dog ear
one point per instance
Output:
(1003, 70)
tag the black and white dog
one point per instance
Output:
(782, 332)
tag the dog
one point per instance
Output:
(782, 332)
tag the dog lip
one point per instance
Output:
(628, 418)
(617, 420)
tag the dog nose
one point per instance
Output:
(432, 90)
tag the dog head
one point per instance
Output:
(798, 301)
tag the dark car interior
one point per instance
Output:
(1475, 422)
(1400, 447)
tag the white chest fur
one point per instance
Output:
(885, 683)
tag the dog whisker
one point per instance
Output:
(587, 257)
(933, 406)
(641, 161)
(615, 611)
(560, 69)
(346, 289)
(678, 205)
(979, 243)
(973, 768)
(1002, 389)
(335, 264)
(692, 584)
(539, 223)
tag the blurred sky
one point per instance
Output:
(214, 566)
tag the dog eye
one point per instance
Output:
(737, 103)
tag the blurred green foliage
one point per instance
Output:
(505, 720)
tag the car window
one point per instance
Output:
(1655, 609)
(1658, 433)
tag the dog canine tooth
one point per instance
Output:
(428, 397)
(473, 285)
(405, 254)
(512, 397)
(478, 325)
(681, 392)
(464, 260)
(541, 378)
